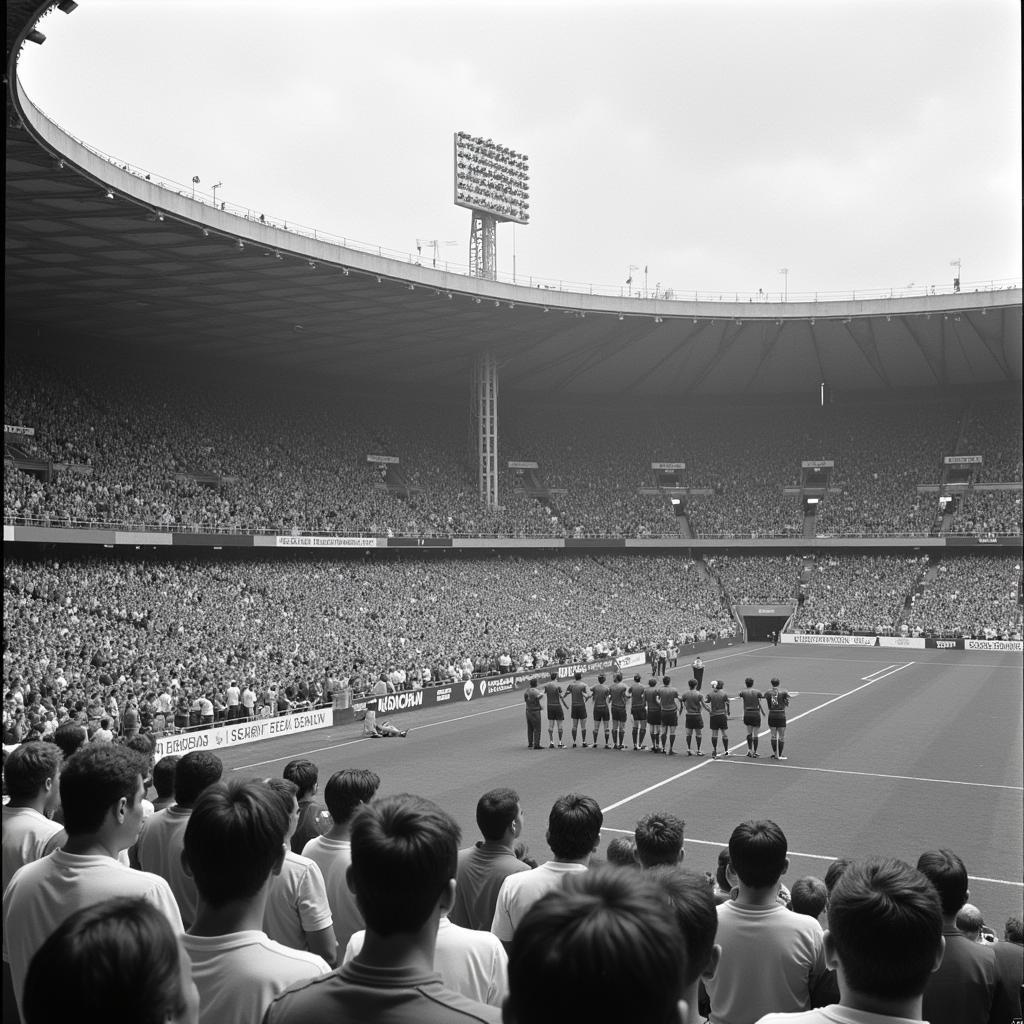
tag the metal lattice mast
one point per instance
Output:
(483, 247)
(485, 426)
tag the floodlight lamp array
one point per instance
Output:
(491, 178)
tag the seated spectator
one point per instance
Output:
(404, 856)
(885, 938)
(574, 833)
(298, 913)
(809, 896)
(659, 839)
(31, 780)
(605, 949)
(234, 845)
(483, 867)
(118, 961)
(963, 989)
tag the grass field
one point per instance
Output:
(891, 752)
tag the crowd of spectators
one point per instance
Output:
(153, 448)
(993, 431)
(988, 512)
(970, 597)
(84, 638)
(758, 579)
(858, 593)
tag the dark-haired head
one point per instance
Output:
(574, 826)
(496, 811)
(757, 853)
(347, 789)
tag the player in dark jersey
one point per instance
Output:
(556, 710)
(693, 702)
(751, 700)
(533, 699)
(617, 695)
(653, 703)
(668, 697)
(579, 693)
(599, 695)
(777, 700)
(638, 709)
(717, 703)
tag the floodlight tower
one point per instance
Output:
(492, 182)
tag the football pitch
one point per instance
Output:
(890, 753)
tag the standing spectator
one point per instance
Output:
(483, 867)
(963, 989)
(101, 791)
(163, 835)
(574, 833)
(1010, 967)
(533, 701)
(163, 781)
(404, 853)
(346, 791)
(234, 845)
(755, 928)
(305, 775)
(809, 896)
(248, 699)
(885, 933)
(232, 700)
(298, 914)
(31, 778)
(659, 839)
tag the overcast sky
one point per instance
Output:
(861, 144)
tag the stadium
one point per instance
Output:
(268, 492)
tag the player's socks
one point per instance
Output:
(714, 747)
(672, 744)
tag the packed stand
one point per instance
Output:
(993, 431)
(758, 579)
(988, 512)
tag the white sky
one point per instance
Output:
(861, 144)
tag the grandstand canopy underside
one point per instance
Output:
(95, 251)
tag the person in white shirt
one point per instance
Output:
(574, 833)
(885, 941)
(31, 774)
(234, 845)
(298, 913)
(101, 791)
(163, 835)
(232, 700)
(346, 791)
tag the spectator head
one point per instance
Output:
(621, 852)
(553, 676)
(404, 856)
(574, 827)
(692, 684)
(304, 774)
(193, 773)
(288, 793)
(577, 676)
(347, 789)
(757, 854)
(1014, 931)
(884, 929)
(498, 812)
(235, 840)
(970, 921)
(749, 681)
(143, 746)
(696, 913)
(636, 677)
(605, 948)
(835, 872)
(659, 839)
(721, 870)
(163, 776)
(946, 871)
(652, 681)
(32, 773)
(117, 961)
(101, 788)
(601, 677)
(775, 682)
(808, 896)
(617, 678)
(69, 736)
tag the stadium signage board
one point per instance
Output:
(308, 541)
(835, 640)
(523, 465)
(1013, 646)
(244, 731)
(819, 464)
(963, 460)
(389, 460)
(668, 465)
(25, 431)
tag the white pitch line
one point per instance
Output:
(738, 746)
(812, 856)
(899, 778)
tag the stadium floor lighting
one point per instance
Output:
(240, 244)
(108, 194)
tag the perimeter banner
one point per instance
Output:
(1013, 646)
(837, 640)
(306, 541)
(916, 643)
(243, 731)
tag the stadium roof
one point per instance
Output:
(95, 250)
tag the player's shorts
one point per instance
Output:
(719, 722)
(639, 714)
(670, 718)
(579, 713)
(776, 720)
(654, 716)
(556, 714)
(618, 714)
(751, 719)
(694, 721)
(601, 714)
